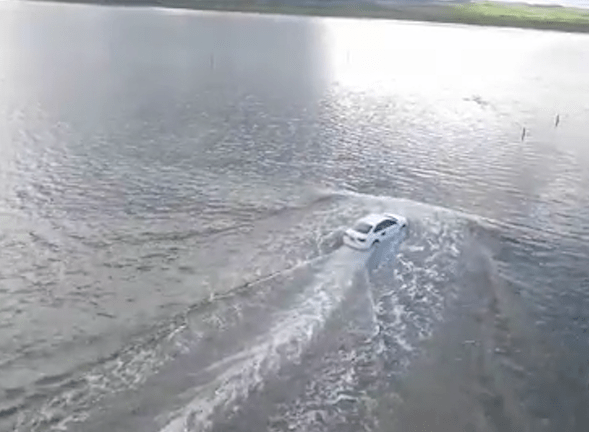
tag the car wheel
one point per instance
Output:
(375, 242)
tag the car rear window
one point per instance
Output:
(363, 227)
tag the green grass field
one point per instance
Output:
(521, 15)
(483, 13)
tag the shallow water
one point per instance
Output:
(173, 189)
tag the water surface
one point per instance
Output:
(173, 188)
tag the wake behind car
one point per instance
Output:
(373, 229)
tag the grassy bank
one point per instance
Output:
(519, 15)
(483, 13)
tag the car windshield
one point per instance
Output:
(363, 227)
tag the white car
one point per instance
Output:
(373, 229)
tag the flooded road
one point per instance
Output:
(174, 187)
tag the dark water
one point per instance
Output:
(173, 188)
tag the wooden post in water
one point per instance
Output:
(523, 134)
(557, 120)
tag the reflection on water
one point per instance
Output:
(430, 59)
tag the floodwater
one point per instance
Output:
(173, 190)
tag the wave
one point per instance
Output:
(213, 364)
(285, 340)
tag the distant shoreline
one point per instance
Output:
(515, 15)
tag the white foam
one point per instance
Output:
(290, 333)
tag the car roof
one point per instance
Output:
(373, 218)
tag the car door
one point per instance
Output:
(380, 231)
(393, 228)
(384, 229)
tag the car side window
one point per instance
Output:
(384, 224)
(381, 226)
